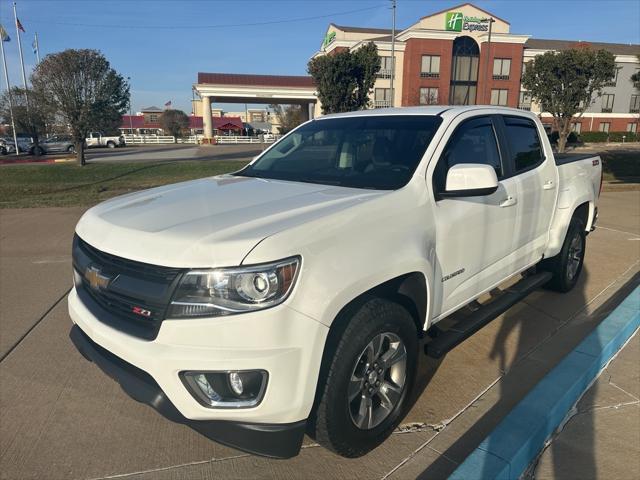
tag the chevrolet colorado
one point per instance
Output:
(297, 294)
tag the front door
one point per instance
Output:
(474, 235)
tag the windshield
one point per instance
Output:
(376, 152)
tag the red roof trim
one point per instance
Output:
(292, 81)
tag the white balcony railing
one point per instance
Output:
(382, 103)
(384, 73)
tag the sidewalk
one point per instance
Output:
(602, 439)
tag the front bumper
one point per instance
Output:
(275, 440)
(285, 343)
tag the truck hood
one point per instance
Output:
(209, 222)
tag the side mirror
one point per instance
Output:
(470, 180)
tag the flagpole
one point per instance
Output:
(6, 79)
(37, 48)
(24, 76)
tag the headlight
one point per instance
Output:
(225, 291)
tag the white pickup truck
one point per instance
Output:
(298, 294)
(97, 139)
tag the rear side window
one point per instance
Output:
(474, 141)
(525, 148)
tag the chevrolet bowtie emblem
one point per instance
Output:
(95, 278)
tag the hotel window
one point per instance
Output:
(499, 97)
(153, 117)
(430, 66)
(382, 97)
(501, 68)
(604, 127)
(607, 102)
(634, 106)
(524, 103)
(632, 127)
(385, 68)
(428, 96)
(576, 127)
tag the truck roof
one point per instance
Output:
(431, 110)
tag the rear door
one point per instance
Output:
(536, 177)
(474, 235)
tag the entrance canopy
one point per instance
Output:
(241, 88)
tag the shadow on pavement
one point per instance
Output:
(510, 383)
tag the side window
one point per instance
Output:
(474, 141)
(524, 144)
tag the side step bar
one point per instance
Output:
(449, 339)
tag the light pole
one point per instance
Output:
(130, 111)
(393, 49)
(486, 70)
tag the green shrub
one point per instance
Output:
(600, 137)
(572, 138)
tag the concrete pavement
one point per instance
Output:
(60, 417)
(602, 438)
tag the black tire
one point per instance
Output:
(36, 151)
(71, 149)
(563, 266)
(111, 144)
(331, 422)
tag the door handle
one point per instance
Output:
(549, 185)
(509, 201)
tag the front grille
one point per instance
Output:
(134, 297)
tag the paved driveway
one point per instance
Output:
(61, 418)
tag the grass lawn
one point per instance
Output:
(65, 185)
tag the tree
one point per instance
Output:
(174, 122)
(566, 83)
(289, 116)
(345, 79)
(635, 78)
(32, 121)
(84, 90)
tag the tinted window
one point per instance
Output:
(377, 152)
(524, 143)
(474, 141)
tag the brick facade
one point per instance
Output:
(514, 52)
(411, 81)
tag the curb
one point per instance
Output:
(41, 161)
(518, 439)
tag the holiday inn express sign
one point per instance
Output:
(457, 22)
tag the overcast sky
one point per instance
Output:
(162, 45)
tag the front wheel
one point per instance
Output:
(71, 149)
(370, 374)
(567, 265)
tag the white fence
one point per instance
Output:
(196, 139)
(148, 139)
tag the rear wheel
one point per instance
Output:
(567, 265)
(111, 144)
(370, 373)
(71, 149)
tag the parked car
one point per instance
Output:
(3, 147)
(97, 139)
(295, 295)
(24, 143)
(54, 144)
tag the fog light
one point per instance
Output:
(228, 389)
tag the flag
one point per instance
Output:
(19, 25)
(4, 35)
(34, 45)
(168, 104)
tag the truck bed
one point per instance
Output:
(564, 158)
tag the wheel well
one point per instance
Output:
(582, 213)
(409, 290)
